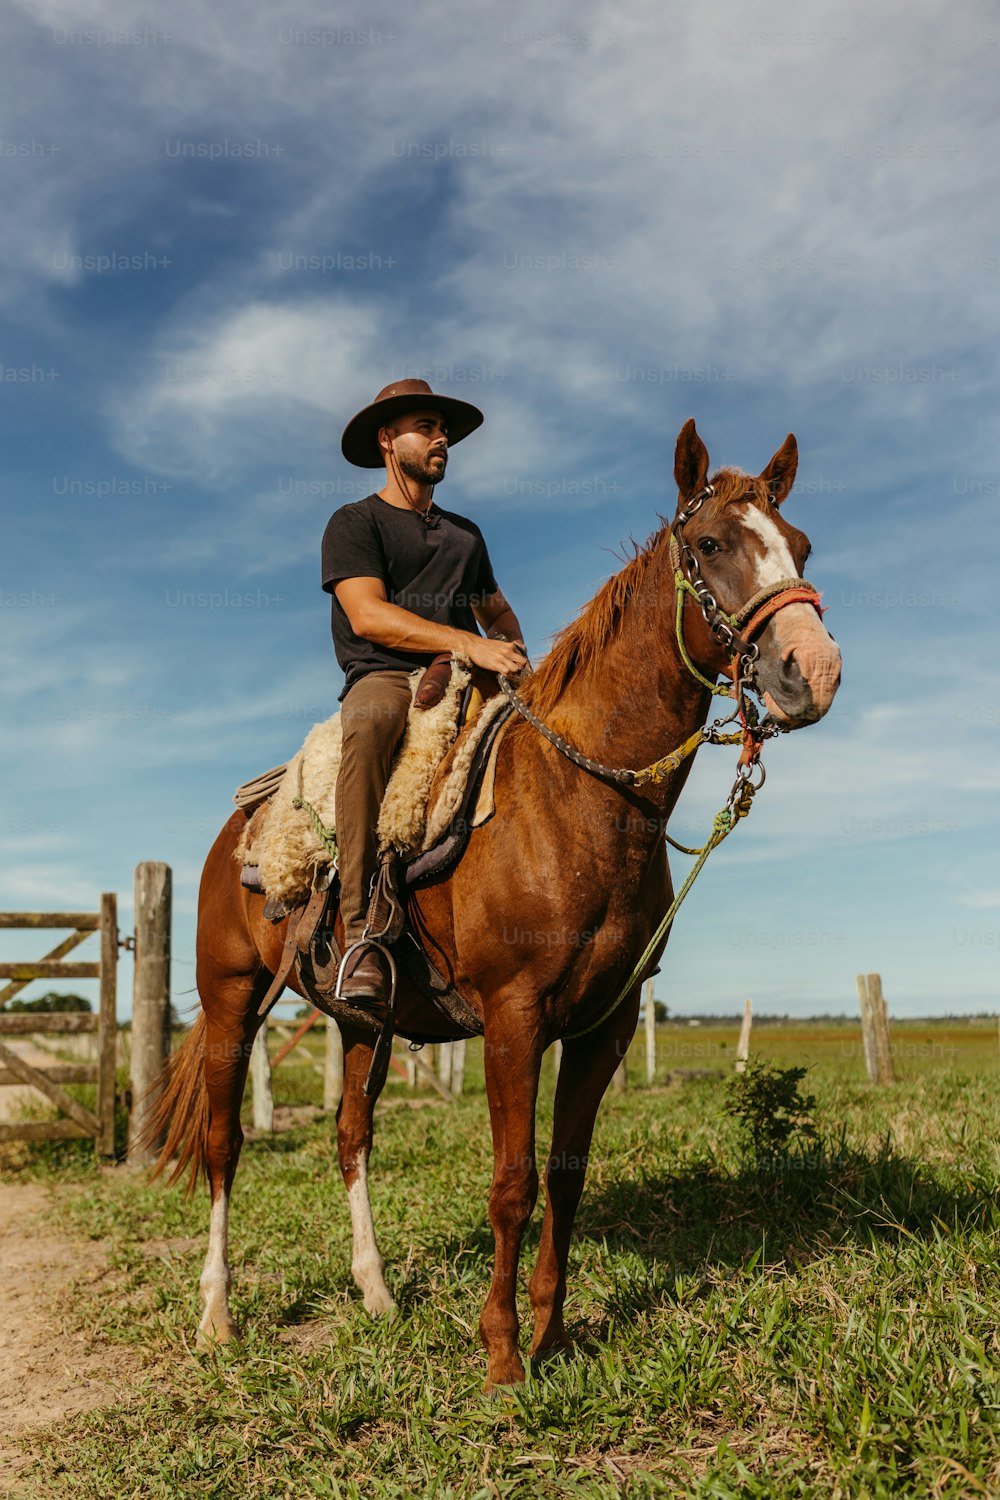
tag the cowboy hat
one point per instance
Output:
(359, 444)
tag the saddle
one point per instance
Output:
(311, 950)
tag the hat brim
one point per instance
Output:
(359, 443)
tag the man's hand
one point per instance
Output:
(507, 657)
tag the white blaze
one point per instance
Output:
(777, 562)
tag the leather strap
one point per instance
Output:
(302, 925)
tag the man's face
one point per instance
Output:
(420, 443)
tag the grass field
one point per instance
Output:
(825, 1324)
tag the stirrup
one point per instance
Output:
(382, 1051)
(366, 942)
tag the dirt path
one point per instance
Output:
(47, 1372)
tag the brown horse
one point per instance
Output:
(545, 916)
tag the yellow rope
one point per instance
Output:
(722, 826)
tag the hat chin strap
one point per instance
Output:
(401, 481)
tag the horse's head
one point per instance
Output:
(733, 535)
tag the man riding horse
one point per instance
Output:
(409, 582)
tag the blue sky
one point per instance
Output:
(226, 227)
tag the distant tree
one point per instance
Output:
(51, 1001)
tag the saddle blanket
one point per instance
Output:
(424, 792)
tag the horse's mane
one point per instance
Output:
(580, 643)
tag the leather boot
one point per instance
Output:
(366, 977)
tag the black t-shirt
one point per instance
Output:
(436, 570)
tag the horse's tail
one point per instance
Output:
(181, 1111)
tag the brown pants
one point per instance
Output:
(373, 716)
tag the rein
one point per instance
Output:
(735, 633)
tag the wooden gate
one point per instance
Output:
(76, 1119)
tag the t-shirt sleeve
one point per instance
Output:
(351, 548)
(485, 580)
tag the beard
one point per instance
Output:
(421, 470)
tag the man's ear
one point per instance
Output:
(384, 436)
(690, 461)
(779, 476)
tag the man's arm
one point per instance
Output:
(373, 618)
(497, 618)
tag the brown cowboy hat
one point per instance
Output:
(359, 444)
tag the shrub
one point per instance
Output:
(769, 1110)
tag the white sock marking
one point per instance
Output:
(216, 1277)
(366, 1262)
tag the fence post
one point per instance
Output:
(107, 1061)
(875, 1029)
(650, 1034)
(445, 1060)
(150, 1001)
(333, 1069)
(883, 1047)
(743, 1045)
(556, 1059)
(867, 1032)
(458, 1066)
(260, 1080)
(619, 1078)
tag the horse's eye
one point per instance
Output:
(707, 546)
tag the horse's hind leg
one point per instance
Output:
(584, 1074)
(354, 1144)
(232, 1023)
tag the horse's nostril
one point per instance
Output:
(791, 675)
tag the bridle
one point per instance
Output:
(735, 633)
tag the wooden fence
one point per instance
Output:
(76, 1120)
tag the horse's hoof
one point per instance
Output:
(380, 1304)
(211, 1335)
(503, 1373)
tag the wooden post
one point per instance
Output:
(867, 1029)
(883, 1046)
(150, 1002)
(411, 1069)
(445, 1059)
(875, 1029)
(260, 1080)
(108, 1058)
(619, 1078)
(458, 1066)
(556, 1058)
(743, 1045)
(333, 1072)
(650, 1034)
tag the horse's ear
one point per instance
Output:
(690, 461)
(779, 476)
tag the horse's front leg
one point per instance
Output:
(354, 1144)
(512, 1055)
(584, 1074)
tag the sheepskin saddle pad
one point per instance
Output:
(284, 837)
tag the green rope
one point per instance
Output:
(722, 825)
(719, 689)
(327, 836)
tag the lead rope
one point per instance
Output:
(739, 804)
